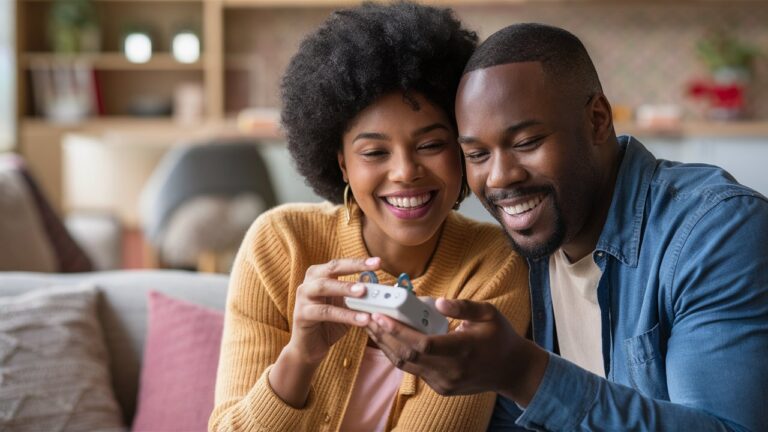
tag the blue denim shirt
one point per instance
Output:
(684, 304)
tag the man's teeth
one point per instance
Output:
(408, 202)
(524, 207)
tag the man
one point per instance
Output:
(649, 278)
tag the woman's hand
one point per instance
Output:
(319, 320)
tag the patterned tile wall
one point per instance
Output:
(644, 52)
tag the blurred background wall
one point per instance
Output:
(645, 52)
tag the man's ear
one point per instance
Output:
(601, 118)
(342, 165)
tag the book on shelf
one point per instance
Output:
(65, 91)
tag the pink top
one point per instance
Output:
(373, 394)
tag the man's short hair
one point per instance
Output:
(561, 54)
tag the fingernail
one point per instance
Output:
(445, 306)
(382, 323)
(357, 288)
(372, 261)
(361, 317)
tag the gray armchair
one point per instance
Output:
(201, 199)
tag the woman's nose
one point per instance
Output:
(405, 168)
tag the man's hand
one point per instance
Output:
(483, 354)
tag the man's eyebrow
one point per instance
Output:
(371, 135)
(511, 130)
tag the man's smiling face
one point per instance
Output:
(528, 153)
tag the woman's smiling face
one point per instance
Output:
(403, 166)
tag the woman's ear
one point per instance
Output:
(342, 166)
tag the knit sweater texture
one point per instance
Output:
(472, 261)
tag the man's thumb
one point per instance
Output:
(466, 310)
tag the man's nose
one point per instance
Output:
(505, 171)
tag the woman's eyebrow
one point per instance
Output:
(372, 136)
(384, 137)
(430, 128)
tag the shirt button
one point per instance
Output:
(327, 418)
(600, 254)
(345, 363)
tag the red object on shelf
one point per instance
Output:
(720, 95)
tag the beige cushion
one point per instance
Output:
(54, 370)
(25, 245)
(208, 224)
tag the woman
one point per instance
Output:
(368, 112)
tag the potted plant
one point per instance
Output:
(730, 63)
(73, 27)
(722, 52)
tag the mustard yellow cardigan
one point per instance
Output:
(472, 261)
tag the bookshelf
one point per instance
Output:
(122, 95)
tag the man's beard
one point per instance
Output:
(536, 251)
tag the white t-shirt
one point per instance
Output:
(577, 312)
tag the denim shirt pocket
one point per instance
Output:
(645, 363)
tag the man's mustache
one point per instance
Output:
(494, 196)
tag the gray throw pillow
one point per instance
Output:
(25, 245)
(54, 370)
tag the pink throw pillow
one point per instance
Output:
(178, 374)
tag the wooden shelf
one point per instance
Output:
(98, 121)
(446, 3)
(157, 126)
(144, 124)
(288, 3)
(110, 61)
(262, 128)
(350, 3)
(123, 1)
(700, 128)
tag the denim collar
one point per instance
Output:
(621, 232)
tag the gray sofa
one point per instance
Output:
(123, 311)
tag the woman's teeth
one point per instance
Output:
(408, 202)
(524, 207)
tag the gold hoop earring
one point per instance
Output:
(347, 203)
(463, 193)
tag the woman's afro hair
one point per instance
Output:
(356, 56)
